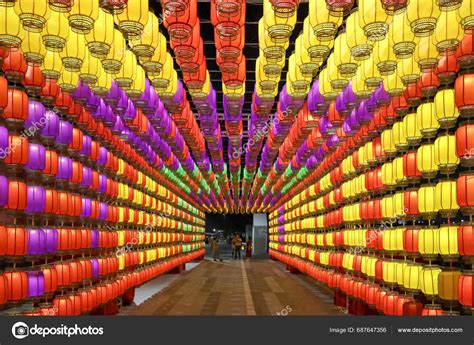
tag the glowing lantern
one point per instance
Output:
(428, 243)
(432, 310)
(466, 289)
(56, 32)
(60, 5)
(145, 46)
(426, 120)
(373, 19)
(33, 14)
(114, 59)
(33, 49)
(422, 17)
(411, 277)
(426, 161)
(323, 22)
(448, 281)
(446, 198)
(426, 54)
(101, 37)
(357, 42)
(134, 18)
(448, 32)
(463, 98)
(466, 15)
(446, 110)
(74, 52)
(401, 36)
(11, 33)
(429, 280)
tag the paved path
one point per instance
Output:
(238, 287)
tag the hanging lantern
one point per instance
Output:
(422, 17)
(56, 32)
(448, 242)
(428, 243)
(373, 19)
(101, 37)
(411, 129)
(432, 310)
(448, 32)
(33, 49)
(426, 161)
(14, 66)
(60, 6)
(113, 6)
(33, 14)
(145, 46)
(465, 144)
(464, 185)
(74, 52)
(429, 280)
(447, 68)
(11, 33)
(446, 198)
(394, 6)
(359, 47)
(411, 277)
(127, 73)
(429, 84)
(114, 59)
(466, 15)
(83, 15)
(408, 71)
(52, 65)
(466, 289)
(448, 281)
(426, 53)
(134, 17)
(426, 120)
(91, 70)
(401, 37)
(323, 22)
(68, 81)
(445, 154)
(463, 99)
(17, 285)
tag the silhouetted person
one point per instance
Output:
(238, 246)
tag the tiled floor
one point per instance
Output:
(260, 287)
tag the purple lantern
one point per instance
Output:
(35, 284)
(36, 199)
(3, 190)
(51, 241)
(36, 157)
(36, 242)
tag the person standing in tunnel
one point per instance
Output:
(215, 249)
(238, 246)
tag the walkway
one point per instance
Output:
(260, 287)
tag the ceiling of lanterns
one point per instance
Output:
(370, 44)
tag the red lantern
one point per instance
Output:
(64, 306)
(50, 279)
(465, 197)
(465, 53)
(64, 274)
(412, 308)
(16, 111)
(410, 168)
(17, 285)
(14, 66)
(466, 240)
(339, 7)
(33, 80)
(180, 23)
(447, 68)
(463, 95)
(466, 289)
(432, 310)
(392, 6)
(17, 194)
(465, 144)
(3, 289)
(50, 91)
(429, 84)
(3, 93)
(110, 6)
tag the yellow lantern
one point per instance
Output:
(90, 70)
(411, 129)
(389, 272)
(427, 205)
(373, 19)
(154, 64)
(422, 16)
(127, 73)
(393, 84)
(82, 16)
(426, 120)
(324, 24)
(426, 53)
(342, 56)
(401, 265)
(133, 19)
(103, 83)
(359, 46)
(388, 179)
(448, 282)
(393, 238)
(371, 264)
(399, 136)
(279, 28)
(360, 88)
(33, 14)
(145, 46)
(426, 161)
(52, 65)
(74, 52)
(68, 81)
(307, 67)
(318, 50)
(56, 32)
(445, 154)
(398, 175)
(169, 91)
(114, 59)
(273, 51)
(401, 37)
(448, 241)
(411, 276)
(408, 71)
(448, 32)
(325, 86)
(446, 198)
(33, 48)
(11, 32)
(428, 242)
(429, 280)
(466, 14)
(267, 83)
(388, 207)
(271, 69)
(338, 82)
(138, 85)
(446, 110)
(370, 73)
(388, 144)
(101, 38)
(384, 57)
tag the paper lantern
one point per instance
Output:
(101, 37)
(445, 154)
(463, 101)
(373, 20)
(412, 129)
(422, 17)
(432, 310)
(466, 289)
(411, 277)
(448, 282)
(60, 6)
(323, 22)
(426, 161)
(11, 33)
(427, 120)
(359, 47)
(134, 17)
(426, 53)
(447, 68)
(448, 242)
(56, 32)
(14, 66)
(114, 59)
(33, 48)
(145, 45)
(16, 111)
(428, 243)
(17, 285)
(83, 15)
(401, 37)
(448, 32)
(33, 14)
(113, 6)
(429, 280)
(446, 198)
